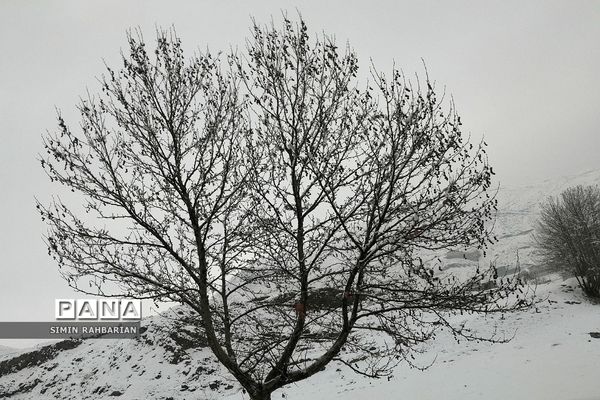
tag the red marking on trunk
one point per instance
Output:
(300, 309)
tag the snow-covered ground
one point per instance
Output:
(5, 350)
(552, 354)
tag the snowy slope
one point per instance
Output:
(518, 211)
(519, 208)
(552, 355)
(6, 351)
(162, 363)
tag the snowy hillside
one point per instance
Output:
(518, 210)
(552, 356)
(163, 363)
(5, 350)
(555, 352)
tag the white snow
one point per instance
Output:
(552, 354)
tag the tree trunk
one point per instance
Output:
(260, 396)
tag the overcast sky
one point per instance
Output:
(522, 74)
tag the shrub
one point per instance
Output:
(568, 234)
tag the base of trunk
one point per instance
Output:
(261, 396)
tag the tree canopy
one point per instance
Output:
(280, 198)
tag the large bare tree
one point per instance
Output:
(281, 200)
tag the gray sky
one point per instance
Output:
(523, 74)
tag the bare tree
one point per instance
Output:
(280, 200)
(568, 234)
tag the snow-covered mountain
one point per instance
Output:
(518, 211)
(552, 356)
